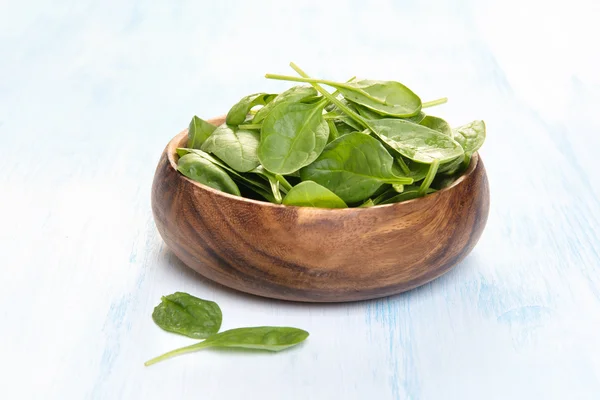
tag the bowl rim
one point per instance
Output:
(172, 147)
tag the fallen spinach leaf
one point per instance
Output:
(236, 147)
(198, 131)
(353, 166)
(292, 136)
(188, 315)
(268, 338)
(311, 194)
(437, 124)
(201, 170)
(237, 114)
(293, 95)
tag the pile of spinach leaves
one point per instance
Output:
(367, 143)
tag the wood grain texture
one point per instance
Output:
(317, 255)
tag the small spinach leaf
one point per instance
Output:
(311, 194)
(292, 136)
(353, 166)
(201, 170)
(236, 147)
(198, 131)
(237, 114)
(293, 95)
(188, 315)
(268, 338)
(470, 136)
(437, 124)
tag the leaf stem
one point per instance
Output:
(176, 352)
(250, 126)
(285, 185)
(436, 102)
(403, 165)
(332, 99)
(325, 82)
(429, 177)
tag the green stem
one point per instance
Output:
(275, 189)
(325, 82)
(285, 185)
(436, 102)
(429, 177)
(332, 99)
(333, 132)
(176, 352)
(250, 126)
(403, 165)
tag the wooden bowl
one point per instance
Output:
(311, 254)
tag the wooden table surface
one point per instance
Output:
(92, 91)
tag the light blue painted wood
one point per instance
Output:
(92, 91)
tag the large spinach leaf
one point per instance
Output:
(292, 136)
(353, 166)
(188, 315)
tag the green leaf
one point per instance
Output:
(274, 182)
(416, 142)
(188, 315)
(311, 194)
(237, 114)
(199, 130)
(367, 203)
(292, 136)
(199, 169)
(470, 136)
(385, 97)
(353, 166)
(236, 147)
(410, 193)
(293, 95)
(437, 124)
(268, 338)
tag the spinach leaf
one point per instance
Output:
(248, 181)
(311, 194)
(416, 142)
(293, 95)
(385, 97)
(198, 131)
(275, 182)
(188, 315)
(353, 166)
(437, 124)
(268, 338)
(236, 147)
(410, 193)
(292, 136)
(367, 203)
(237, 114)
(199, 169)
(470, 136)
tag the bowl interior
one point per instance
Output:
(181, 141)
